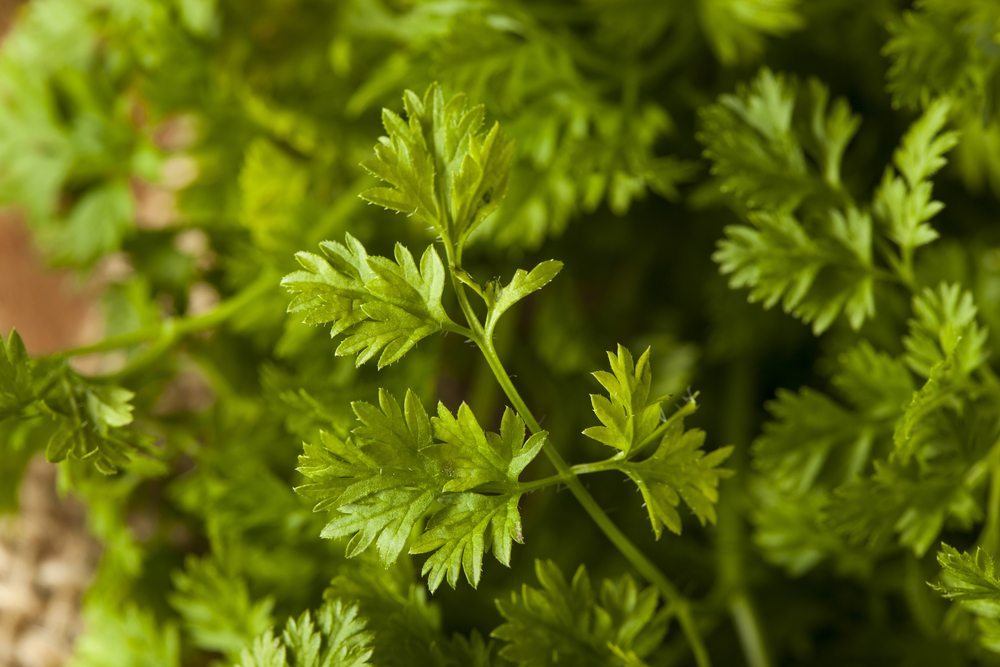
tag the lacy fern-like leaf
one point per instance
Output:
(84, 419)
(216, 607)
(405, 624)
(379, 306)
(736, 29)
(816, 441)
(815, 274)
(567, 622)
(970, 580)
(439, 164)
(775, 144)
(904, 199)
(809, 428)
(16, 390)
(945, 344)
(500, 298)
(678, 468)
(944, 328)
(627, 414)
(129, 636)
(399, 467)
(337, 637)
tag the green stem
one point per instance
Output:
(542, 483)
(597, 466)
(748, 628)
(645, 567)
(163, 335)
(575, 471)
(732, 539)
(639, 561)
(990, 536)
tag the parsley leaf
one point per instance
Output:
(971, 580)
(399, 467)
(775, 144)
(628, 415)
(499, 298)
(379, 306)
(216, 607)
(439, 165)
(336, 638)
(567, 622)
(678, 468)
(903, 201)
(16, 382)
(814, 273)
(84, 419)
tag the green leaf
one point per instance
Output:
(904, 201)
(776, 144)
(379, 306)
(463, 531)
(473, 457)
(736, 29)
(565, 622)
(921, 153)
(627, 414)
(272, 189)
(904, 501)
(125, 636)
(501, 297)
(811, 432)
(216, 607)
(944, 329)
(405, 624)
(440, 165)
(970, 578)
(338, 637)
(380, 481)
(631, 423)
(392, 473)
(805, 429)
(679, 469)
(816, 273)
(945, 48)
(16, 381)
(96, 225)
(88, 420)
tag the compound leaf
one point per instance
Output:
(380, 307)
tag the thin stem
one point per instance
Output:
(731, 534)
(542, 483)
(597, 466)
(638, 560)
(575, 471)
(748, 628)
(990, 536)
(163, 335)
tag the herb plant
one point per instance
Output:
(307, 415)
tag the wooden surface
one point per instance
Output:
(46, 555)
(50, 309)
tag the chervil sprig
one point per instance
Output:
(443, 485)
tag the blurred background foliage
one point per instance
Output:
(183, 150)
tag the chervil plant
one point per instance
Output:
(400, 468)
(306, 414)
